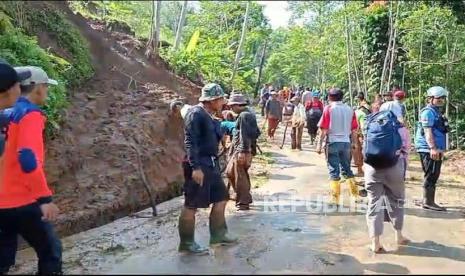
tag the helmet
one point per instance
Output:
(399, 94)
(436, 91)
(316, 93)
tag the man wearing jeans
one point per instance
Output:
(337, 125)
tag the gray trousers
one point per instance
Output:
(386, 196)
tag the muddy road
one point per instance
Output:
(290, 229)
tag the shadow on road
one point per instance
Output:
(450, 214)
(346, 264)
(432, 249)
(281, 177)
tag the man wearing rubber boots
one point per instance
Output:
(430, 143)
(337, 125)
(203, 182)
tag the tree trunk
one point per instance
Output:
(241, 42)
(260, 69)
(386, 58)
(152, 44)
(419, 69)
(354, 63)
(348, 60)
(180, 25)
(393, 48)
(157, 28)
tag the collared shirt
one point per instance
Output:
(430, 117)
(22, 177)
(339, 119)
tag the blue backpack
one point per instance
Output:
(382, 140)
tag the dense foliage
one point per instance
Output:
(19, 46)
(361, 46)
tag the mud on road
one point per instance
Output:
(279, 235)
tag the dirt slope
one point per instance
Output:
(94, 173)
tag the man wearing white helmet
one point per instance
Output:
(430, 143)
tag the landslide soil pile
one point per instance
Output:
(122, 112)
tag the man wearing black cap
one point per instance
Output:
(9, 84)
(26, 205)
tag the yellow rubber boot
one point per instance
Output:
(335, 191)
(353, 187)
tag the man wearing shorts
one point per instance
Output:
(203, 182)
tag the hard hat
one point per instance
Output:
(436, 91)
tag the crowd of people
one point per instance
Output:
(376, 137)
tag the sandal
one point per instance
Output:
(405, 241)
(380, 250)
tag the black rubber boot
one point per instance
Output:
(186, 229)
(429, 195)
(219, 232)
(4, 270)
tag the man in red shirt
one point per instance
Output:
(338, 125)
(26, 206)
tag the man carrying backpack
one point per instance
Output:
(338, 124)
(314, 110)
(430, 143)
(242, 151)
(398, 108)
(384, 154)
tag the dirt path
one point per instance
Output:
(280, 235)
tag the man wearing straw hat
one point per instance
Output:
(242, 151)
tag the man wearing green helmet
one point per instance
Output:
(203, 182)
(430, 143)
